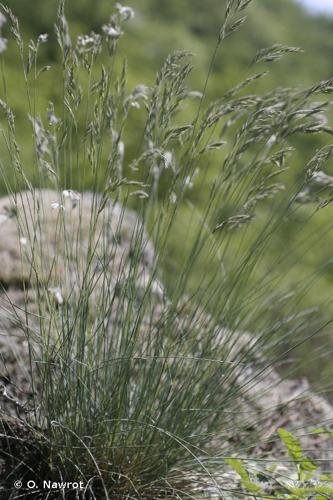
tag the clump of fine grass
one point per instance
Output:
(132, 381)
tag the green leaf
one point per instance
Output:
(292, 444)
(312, 490)
(308, 465)
(238, 467)
(325, 477)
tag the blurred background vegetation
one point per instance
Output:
(160, 27)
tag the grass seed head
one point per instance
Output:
(112, 32)
(3, 44)
(126, 13)
(43, 38)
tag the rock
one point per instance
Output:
(51, 237)
(15, 369)
(51, 228)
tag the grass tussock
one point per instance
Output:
(140, 381)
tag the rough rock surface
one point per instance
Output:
(270, 402)
(38, 233)
(36, 222)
